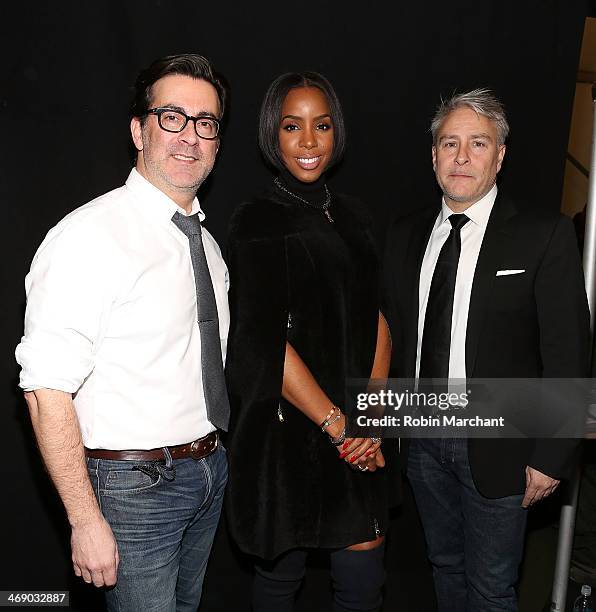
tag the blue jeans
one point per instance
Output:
(164, 517)
(475, 544)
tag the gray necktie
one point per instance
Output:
(216, 397)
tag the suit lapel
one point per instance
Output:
(484, 276)
(421, 232)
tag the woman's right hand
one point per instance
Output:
(370, 463)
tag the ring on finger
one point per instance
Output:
(363, 468)
(375, 440)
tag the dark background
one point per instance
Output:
(64, 91)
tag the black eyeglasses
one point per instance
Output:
(175, 121)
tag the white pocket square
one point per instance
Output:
(509, 272)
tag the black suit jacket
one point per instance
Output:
(529, 325)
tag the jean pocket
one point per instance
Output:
(92, 473)
(129, 481)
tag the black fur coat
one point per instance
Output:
(294, 276)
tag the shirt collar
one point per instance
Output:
(478, 213)
(155, 202)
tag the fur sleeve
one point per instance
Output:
(259, 310)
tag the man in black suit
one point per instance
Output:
(482, 288)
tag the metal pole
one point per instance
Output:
(590, 233)
(569, 509)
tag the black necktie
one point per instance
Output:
(214, 387)
(436, 337)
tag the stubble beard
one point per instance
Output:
(157, 166)
(469, 199)
(187, 188)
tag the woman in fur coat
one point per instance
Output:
(305, 319)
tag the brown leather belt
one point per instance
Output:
(199, 449)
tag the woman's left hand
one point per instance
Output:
(357, 450)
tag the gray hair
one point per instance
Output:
(483, 101)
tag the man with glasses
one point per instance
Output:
(122, 357)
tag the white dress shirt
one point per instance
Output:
(112, 318)
(472, 235)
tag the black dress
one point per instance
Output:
(295, 276)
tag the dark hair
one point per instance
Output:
(270, 117)
(186, 64)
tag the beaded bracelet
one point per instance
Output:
(326, 422)
(330, 422)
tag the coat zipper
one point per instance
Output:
(280, 414)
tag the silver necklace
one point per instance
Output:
(322, 207)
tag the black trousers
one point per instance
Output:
(357, 577)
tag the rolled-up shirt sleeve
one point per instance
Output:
(67, 305)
